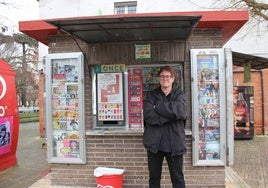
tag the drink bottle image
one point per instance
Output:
(241, 111)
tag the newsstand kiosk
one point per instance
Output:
(9, 119)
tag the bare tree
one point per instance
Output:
(258, 22)
(257, 9)
(20, 51)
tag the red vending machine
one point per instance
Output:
(243, 112)
(9, 119)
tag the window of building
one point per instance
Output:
(129, 7)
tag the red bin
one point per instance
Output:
(109, 177)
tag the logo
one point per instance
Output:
(4, 87)
(104, 186)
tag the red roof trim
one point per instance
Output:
(38, 29)
(229, 21)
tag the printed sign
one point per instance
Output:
(142, 51)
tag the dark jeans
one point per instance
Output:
(175, 165)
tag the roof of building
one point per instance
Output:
(256, 62)
(136, 27)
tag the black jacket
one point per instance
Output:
(161, 112)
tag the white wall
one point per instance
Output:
(73, 8)
(251, 39)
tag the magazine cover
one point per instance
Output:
(63, 72)
(72, 97)
(5, 134)
(59, 120)
(67, 148)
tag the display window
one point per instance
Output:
(110, 99)
(208, 96)
(125, 90)
(140, 81)
(65, 108)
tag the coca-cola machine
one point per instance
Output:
(243, 112)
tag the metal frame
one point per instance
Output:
(49, 111)
(217, 56)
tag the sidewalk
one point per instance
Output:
(32, 164)
(233, 180)
(250, 169)
(251, 161)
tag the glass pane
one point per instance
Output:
(65, 116)
(132, 9)
(110, 99)
(119, 10)
(208, 107)
(150, 77)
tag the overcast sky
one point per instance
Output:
(13, 11)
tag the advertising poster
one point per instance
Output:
(135, 103)
(110, 97)
(142, 51)
(243, 112)
(5, 134)
(208, 107)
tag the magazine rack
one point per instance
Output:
(65, 108)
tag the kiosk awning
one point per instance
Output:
(256, 62)
(128, 27)
(124, 28)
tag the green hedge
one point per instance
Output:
(29, 117)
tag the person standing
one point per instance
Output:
(165, 113)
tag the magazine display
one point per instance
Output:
(209, 112)
(208, 108)
(65, 116)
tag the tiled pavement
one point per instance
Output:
(32, 164)
(250, 169)
(251, 161)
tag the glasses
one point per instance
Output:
(165, 77)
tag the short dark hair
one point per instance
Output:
(168, 69)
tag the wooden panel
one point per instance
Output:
(110, 53)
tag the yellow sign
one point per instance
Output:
(142, 51)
